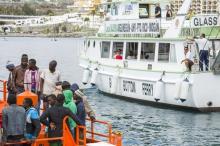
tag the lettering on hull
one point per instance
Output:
(147, 89)
(129, 86)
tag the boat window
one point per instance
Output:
(88, 44)
(105, 49)
(148, 51)
(117, 49)
(94, 44)
(131, 50)
(128, 9)
(143, 11)
(114, 9)
(172, 55)
(164, 50)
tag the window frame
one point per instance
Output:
(101, 49)
(125, 54)
(165, 61)
(123, 48)
(155, 51)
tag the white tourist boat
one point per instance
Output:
(152, 50)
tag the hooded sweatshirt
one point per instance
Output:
(69, 103)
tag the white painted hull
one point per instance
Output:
(203, 93)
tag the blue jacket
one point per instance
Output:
(81, 112)
(32, 123)
(13, 121)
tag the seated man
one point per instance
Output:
(188, 58)
(131, 55)
(118, 55)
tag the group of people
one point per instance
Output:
(204, 48)
(60, 99)
(158, 13)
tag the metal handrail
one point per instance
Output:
(109, 135)
(4, 90)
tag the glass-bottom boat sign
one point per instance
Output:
(145, 26)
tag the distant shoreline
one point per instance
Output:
(60, 35)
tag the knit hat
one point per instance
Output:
(74, 87)
(10, 65)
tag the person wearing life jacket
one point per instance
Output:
(70, 104)
(33, 126)
(76, 91)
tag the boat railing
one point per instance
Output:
(3, 89)
(67, 139)
(112, 137)
(81, 139)
(91, 130)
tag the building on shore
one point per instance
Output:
(85, 6)
(198, 6)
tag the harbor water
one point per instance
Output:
(140, 125)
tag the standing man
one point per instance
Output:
(169, 13)
(70, 104)
(32, 77)
(49, 78)
(53, 119)
(33, 126)
(19, 74)
(52, 100)
(13, 121)
(76, 92)
(10, 85)
(204, 48)
(157, 11)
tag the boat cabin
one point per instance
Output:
(132, 9)
(157, 53)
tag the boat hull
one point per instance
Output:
(202, 93)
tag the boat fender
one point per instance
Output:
(159, 90)
(177, 90)
(184, 90)
(94, 77)
(86, 74)
(114, 85)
